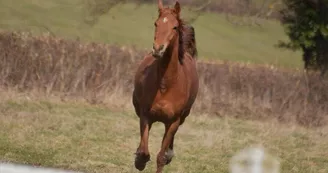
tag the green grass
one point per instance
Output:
(128, 25)
(88, 138)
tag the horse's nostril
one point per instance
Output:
(158, 48)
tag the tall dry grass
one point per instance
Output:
(104, 74)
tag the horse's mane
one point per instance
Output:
(187, 40)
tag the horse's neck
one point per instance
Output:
(170, 66)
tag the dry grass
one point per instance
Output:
(78, 136)
(103, 74)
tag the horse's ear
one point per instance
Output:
(160, 5)
(177, 7)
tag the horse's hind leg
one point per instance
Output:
(170, 152)
(142, 154)
(166, 153)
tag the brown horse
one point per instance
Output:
(166, 83)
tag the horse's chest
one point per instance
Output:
(167, 103)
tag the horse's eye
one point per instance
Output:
(155, 24)
(175, 28)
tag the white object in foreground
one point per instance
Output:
(15, 168)
(254, 160)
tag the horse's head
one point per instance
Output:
(166, 28)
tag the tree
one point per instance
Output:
(306, 24)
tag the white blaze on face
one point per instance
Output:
(165, 19)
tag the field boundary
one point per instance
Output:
(102, 73)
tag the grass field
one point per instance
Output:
(46, 131)
(77, 136)
(128, 25)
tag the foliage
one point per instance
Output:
(306, 24)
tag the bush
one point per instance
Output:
(104, 74)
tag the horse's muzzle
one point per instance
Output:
(158, 52)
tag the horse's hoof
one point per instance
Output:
(141, 161)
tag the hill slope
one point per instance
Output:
(128, 25)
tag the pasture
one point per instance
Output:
(66, 104)
(77, 136)
(130, 25)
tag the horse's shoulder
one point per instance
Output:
(146, 62)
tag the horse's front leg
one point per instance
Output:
(166, 153)
(142, 154)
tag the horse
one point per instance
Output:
(166, 83)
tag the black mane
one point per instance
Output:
(187, 41)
